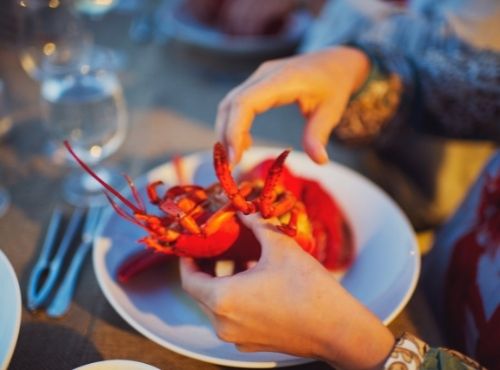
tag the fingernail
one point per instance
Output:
(234, 157)
(231, 154)
(321, 154)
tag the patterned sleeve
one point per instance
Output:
(425, 75)
(411, 353)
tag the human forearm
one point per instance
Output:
(423, 77)
(361, 341)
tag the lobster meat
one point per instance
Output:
(201, 222)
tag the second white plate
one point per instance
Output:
(10, 310)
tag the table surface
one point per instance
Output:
(172, 95)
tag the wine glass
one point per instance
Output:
(49, 30)
(84, 104)
(92, 14)
(94, 8)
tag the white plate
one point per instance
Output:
(383, 275)
(117, 365)
(173, 21)
(10, 310)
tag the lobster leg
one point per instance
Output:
(290, 228)
(285, 203)
(227, 182)
(268, 195)
(153, 193)
(217, 219)
(191, 191)
(188, 222)
(156, 226)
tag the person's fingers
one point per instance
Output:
(242, 109)
(197, 283)
(224, 107)
(249, 348)
(320, 126)
(266, 232)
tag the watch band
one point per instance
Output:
(408, 353)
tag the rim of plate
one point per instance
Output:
(414, 279)
(236, 363)
(98, 364)
(17, 299)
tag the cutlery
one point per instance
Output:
(38, 296)
(62, 299)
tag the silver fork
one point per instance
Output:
(62, 299)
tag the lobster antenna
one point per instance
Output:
(121, 212)
(101, 181)
(135, 193)
(179, 170)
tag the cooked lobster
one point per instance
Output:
(201, 222)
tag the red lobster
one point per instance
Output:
(202, 223)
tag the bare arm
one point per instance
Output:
(310, 313)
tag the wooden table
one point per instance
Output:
(172, 104)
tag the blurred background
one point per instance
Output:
(168, 61)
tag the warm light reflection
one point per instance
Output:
(84, 69)
(49, 48)
(22, 3)
(28, 63)
(54, 4)
(96, 151)
(103, 2)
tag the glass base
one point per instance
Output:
(4, 201)
(82, 190)
(55, 152)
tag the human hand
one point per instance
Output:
(288, 302)
(321, 83)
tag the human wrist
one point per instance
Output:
(362, 342)
(368, 349)
(356, 64)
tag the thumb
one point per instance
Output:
(195, 282)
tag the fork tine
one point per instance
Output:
(69, 235)
(54, 266)
(43, 259)
(90, 221)
(62, 299)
